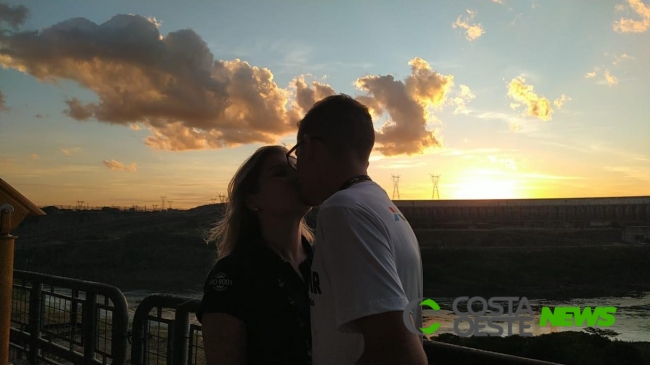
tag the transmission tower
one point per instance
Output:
(170, 203)
(80, 204)
(396, 186)
(435, 193)
(162, 207)
(213, 200)
(222, 198)
(155, 206)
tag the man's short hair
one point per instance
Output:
(344, 124)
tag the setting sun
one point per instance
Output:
(477, 185)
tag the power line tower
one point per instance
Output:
(170, 203)
(162, 207)
(155, 206)
(80, 204)
(213, 200)
(435, 193)
(396, 186)
(222, 198)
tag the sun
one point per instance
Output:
(484, 187)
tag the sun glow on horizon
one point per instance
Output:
(484, 184)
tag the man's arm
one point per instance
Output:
(387, 341)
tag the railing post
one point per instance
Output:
(89, 326)
(181, 336)
(35, 313)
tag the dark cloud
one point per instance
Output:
(15, 16)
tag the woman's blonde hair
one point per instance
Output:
(239, 225)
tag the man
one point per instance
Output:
(367, 264)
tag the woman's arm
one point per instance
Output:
(224, 339)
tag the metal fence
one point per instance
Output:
(58, 320)
(165, 331)
(66, 321)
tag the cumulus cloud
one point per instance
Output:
(2, 102)
(116, 165)
(462, 98)
(306, 95)
(559, 102)
(498, 1)
(408, 103)
(589, 75)
(172, 84)
(611, 79)
(538, 107)
(15, 16)
(34, 156)
(629, 25)
(472, 31)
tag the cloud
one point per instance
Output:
(498, 1)
(589, 75)
(70, 152)
(626, 25)
(538, 107)
(408, 103)
(171, 85)
(39, 116)
(611, 79)
(116, 165)
(3, 106)
(15, 16)
(34, 156)
(134, 127)
(473, 31)
(77, 110)
(462, 98)
(559, 102)
(307, 95)
(619, 59)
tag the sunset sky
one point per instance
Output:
(120, 102)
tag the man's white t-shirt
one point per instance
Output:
(366, 261)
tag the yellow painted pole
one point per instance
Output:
(6, 280)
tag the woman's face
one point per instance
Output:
(278, 188)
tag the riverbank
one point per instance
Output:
(569, 348)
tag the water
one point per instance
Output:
(632, 316)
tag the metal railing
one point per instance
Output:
(171, 335)
(58, 320)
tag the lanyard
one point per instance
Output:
(355, 180)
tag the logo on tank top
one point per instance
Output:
(220, 282)
(396, 214)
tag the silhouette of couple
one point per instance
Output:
(280, 294)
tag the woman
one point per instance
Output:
(255, 307)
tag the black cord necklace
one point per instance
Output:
(355, 180)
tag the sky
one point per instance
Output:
(120, 103)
